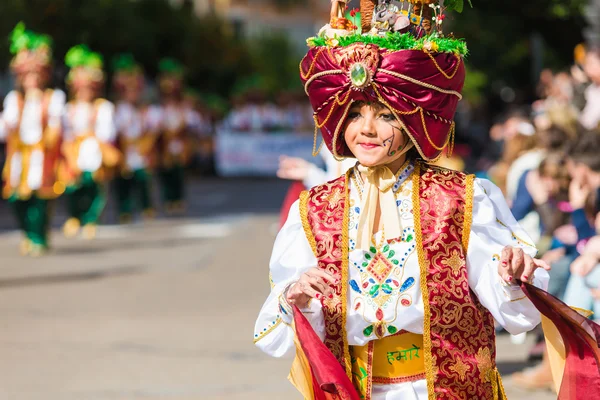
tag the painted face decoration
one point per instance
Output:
(374, 135)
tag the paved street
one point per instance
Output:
(159, 310)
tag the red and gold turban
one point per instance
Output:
(421, 87)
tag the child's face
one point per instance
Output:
(577, 170)
(373, 134)
(551, 184)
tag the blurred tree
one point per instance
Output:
(276, 59)
(500, 35)
(150, 29)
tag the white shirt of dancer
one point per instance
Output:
(31, 130)
(132, 122)
(78, 122)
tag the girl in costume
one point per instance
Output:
(174, 122)
(135, 139)
(88, 148)
(400, 266)
(32, 131)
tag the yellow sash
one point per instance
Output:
(393, 359)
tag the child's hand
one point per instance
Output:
(293, 168)
(584, 264)
(595, 293)
(553, 255)
(314, 283)
(578, 193)
(516, 265)
(537, 189)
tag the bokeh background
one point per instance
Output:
(165, 309)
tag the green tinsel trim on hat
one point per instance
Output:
(82, 56)
(396, 41)
(125, 63)
(171, 66)
(22, 39)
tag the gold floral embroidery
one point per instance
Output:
(325, 215)
(334, 197)
(305, 224)
(455, 262)
(484, 363)
(459, 328)
(460, 368)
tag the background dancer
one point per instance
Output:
(32, 131)
(88, 150)
(134, 139)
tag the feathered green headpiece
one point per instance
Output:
(82, 56)
(125, 62)
(86, 66)
(22, 39)
(171, 66)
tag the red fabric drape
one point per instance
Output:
(581, 379)
(291, 196)
(330, 381)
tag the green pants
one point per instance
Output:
(137, 185)
(33, 218)
(86, 201)
(172, 181)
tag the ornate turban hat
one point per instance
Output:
(32, 51)
(398, 57)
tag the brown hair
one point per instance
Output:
(587, 150)
(554, 167)
(516, 146)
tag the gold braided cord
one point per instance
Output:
(305, 224)
(451, 142)
(466, 234)
(315, 151)
(416, 200)
(414, 104)
(345, 273)
(441, 70)
(421, 83)
(451, 133)
(336, 133)
(330, 111)
(335, 97)
(396, 112)
(320, 74)
(312, 64)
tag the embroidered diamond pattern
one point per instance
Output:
(380, 267)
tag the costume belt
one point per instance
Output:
(393, 359)
(18, 146)
(169, 159)
(71, 149)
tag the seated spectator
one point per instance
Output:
(583, 289)
(590, 115)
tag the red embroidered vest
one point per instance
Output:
(458, 332)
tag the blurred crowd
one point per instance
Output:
(255, 112)
(548, 167)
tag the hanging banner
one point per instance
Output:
(257, 153)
